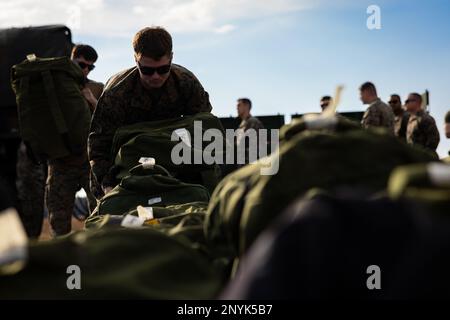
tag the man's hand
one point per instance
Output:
(87, 93)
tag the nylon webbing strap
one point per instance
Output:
(53, 102)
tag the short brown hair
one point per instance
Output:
(85, 51)
(152, 42)
(368, 86)
(247, 101)
(417, 96)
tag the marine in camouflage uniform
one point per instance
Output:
(57, 180)
(126, 101)
(421, 129)
(379, 114)
(244, 106)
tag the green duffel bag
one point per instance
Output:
(114, 264)
(160, 216)
(53, 115)
(153, 140)
(149, 187)
(426, 183)
(183, 221)
(246, 202)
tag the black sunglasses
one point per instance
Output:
(85, 65)
(148, 71)
(394, 101)
(410, 100)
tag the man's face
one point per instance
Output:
(86, 65)
(365, 96)
(412, 104)
(395, 104)
(154, 73)
(447, 130)
(324, 103)
(242, 108)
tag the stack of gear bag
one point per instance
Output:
(323, 245)
(149, 187)
(322, 152)
(137, 143)
(113, 264)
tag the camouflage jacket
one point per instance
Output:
(379, 114)
(422, 130)
(125, 101)
(251, 123)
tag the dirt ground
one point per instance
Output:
(45, 235)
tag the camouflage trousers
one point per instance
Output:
(56, 181)
(30, 185)
(64, 179)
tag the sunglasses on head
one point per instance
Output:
(85, 65)
(148, 71)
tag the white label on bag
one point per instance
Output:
(145, 212)
(132, 222)
(13, 239)
(147, 163)
(184, 136)
(439, 174)
(154, 200)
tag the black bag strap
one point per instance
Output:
(55, 109)
(403, 125)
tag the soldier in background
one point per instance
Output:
(85, 56)
(447, 125)
(400, 116)
(447, 130)
(154, 89)
(325, 101)
(244, 105)
(378, 114)
(64, 176)
(421, 129)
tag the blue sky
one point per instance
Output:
(283, 54)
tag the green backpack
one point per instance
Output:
(53, 115)
(327, 156)
(147, 187)
(153, 140)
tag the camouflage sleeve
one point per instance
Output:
(371, 118)
(431, 133)
(197, 99)
(108, 116)
(254, 123)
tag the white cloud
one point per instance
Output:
(225, 28)
(114, 17)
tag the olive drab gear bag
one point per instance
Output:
(134, 143)
(322, 247)
(324, 153)
(114, 264)
(149, 186)
(53, 115)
